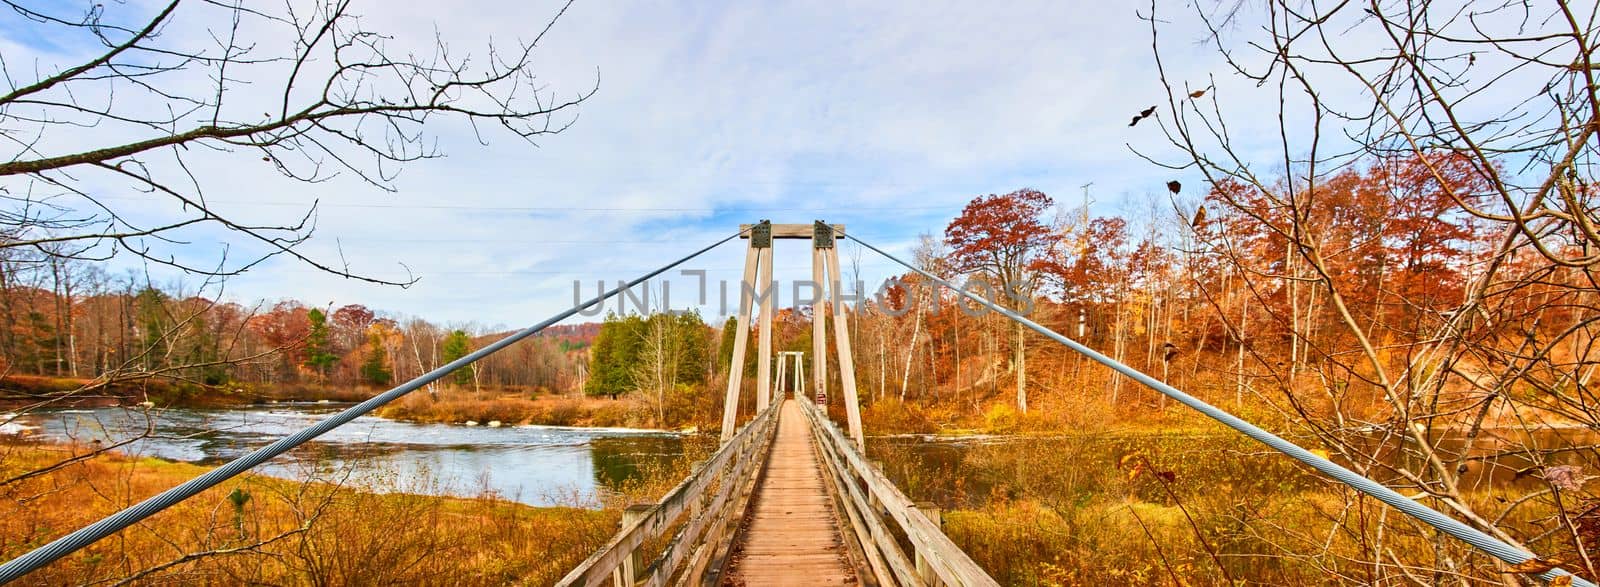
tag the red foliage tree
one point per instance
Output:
(1001, 239)
(285, 327)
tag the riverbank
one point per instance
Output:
(21, 391)
(262, 530)
(464, 406)
(1213, 509)
(446, 404)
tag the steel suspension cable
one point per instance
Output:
(87, 535)
(1477, 538)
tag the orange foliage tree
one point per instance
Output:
(1002, 240)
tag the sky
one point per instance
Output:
(885, 116)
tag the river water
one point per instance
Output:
(536, 465)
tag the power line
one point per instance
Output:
(587, 209)
(588, 272)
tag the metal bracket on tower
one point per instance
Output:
(761, 235)
(822, 235)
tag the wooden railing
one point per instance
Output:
(705, 509)
(902, 544)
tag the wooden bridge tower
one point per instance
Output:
(757, 287)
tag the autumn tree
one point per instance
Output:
(1089, 269)
(1002, 239)
(283, 326)
(375, 367)
(1419, 240)
(350, 324)
(670, 353)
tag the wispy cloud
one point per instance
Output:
(885, 116)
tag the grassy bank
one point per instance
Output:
(260, 530)
(446, 404)
(26, 390)
(453, 405)
(17, 391)
(1185, 508)
(458, 406)
(1049, 416)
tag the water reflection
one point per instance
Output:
(537, 465)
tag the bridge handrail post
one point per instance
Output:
(934, 514)
(883, 556)
(627, 575)
(730, 467)
(943, 561)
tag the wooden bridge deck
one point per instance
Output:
(791, 535)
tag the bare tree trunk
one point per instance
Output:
(883, 359)
(916, 329)
(955, 327)
(1244, 321)
(1117, 347)
(1019, 360)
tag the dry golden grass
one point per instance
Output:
(259, 530)
(1079, 510)
(462, 405)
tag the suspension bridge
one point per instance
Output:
(790, 497)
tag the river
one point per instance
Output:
(535, 465)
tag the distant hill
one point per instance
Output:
(574, 335)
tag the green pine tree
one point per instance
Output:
(613, 356)
(456, 345)
(154, 323)
(319, 354)
(203, 351)
(693, 348)
(730, 329)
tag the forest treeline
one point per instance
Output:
(68, 318)
(1207, 292)
(1212, 292)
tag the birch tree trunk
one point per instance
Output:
(916, 329)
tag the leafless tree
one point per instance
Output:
(303, 87)
(107, 145)
(1494, 107)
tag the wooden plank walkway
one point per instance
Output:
(792, 534)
